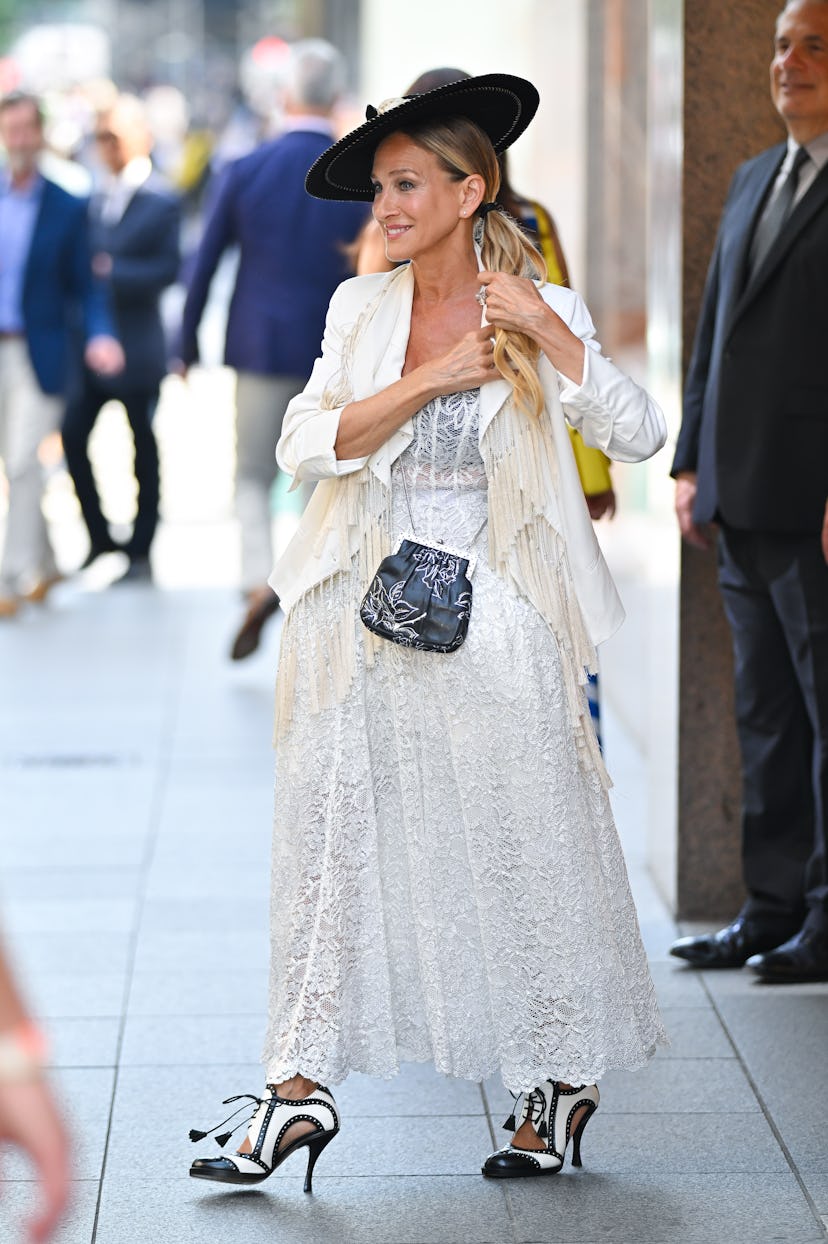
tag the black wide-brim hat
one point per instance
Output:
(499, 103)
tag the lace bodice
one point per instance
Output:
(442, 471)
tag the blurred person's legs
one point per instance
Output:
(82, 410)
(775, 591)
(775, 595)
(140, 409)
(27, 416)
(79, 420)
(261, 402)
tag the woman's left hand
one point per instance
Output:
(514, 303)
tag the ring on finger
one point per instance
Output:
(480, 296)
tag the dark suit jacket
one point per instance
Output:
(144, 245)
(755, 426)
(62, 304)
(291, 258)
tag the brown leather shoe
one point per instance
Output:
(41, 589)
(262, 607)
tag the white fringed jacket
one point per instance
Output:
(541, 538)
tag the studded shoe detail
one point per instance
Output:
(266, 1129)
(550, 1109)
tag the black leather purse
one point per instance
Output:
(421, 596)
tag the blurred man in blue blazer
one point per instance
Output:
(134, 225)
(48, 302)
(292, 257)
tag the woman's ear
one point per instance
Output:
(474, 189)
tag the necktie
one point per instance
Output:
(780, 209)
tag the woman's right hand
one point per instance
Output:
(466, 366)
(30, 1120)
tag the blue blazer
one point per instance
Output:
(144, 245)
(291, 258)
(63, 305)
(755, 423)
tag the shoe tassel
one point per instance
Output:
(223, 1137)
(532, 1101)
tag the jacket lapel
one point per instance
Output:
(813, 201)
(379, 358)
(746, 212)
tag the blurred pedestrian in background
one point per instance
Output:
(46, 286)
(29, 1117)
(291, 260)
(135, 223)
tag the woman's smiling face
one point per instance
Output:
(416, 202)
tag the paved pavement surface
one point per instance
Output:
(135, 809)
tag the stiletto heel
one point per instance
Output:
(589, 1111)
(315, 1146)
(550, 1109)
(270, 1122)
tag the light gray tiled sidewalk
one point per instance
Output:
(136, 792)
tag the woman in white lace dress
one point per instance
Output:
(448, 883)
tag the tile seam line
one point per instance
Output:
(777, 1135)
(489, 1113)
(166, 735)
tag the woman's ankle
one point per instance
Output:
(296, 1088)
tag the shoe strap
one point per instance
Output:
(551, 1109)
(276, 1116)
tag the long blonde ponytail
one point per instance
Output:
(463, 149)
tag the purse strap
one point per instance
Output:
(476, 535)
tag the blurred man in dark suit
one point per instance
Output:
(135, 252)
(752, 456)
(292, 257)
(47, 297)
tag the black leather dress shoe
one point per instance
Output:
(731, 947)
(804, 957)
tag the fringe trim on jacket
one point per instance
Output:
(524, 549)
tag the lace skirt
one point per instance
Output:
(448, 883)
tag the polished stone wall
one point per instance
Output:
(727, 117)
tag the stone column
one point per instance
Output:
(728, 117)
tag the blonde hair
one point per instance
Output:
(463, 150)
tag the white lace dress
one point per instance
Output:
(448, 883)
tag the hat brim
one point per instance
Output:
(500, 104)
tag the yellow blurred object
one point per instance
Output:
(593, 465)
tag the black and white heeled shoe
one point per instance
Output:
(271, 1120)
(550, 1109)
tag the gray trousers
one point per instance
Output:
(261, 402)
(27, 415)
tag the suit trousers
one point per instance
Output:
(82, 411)
(775, 594)
(27, 415)
(261, 402)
